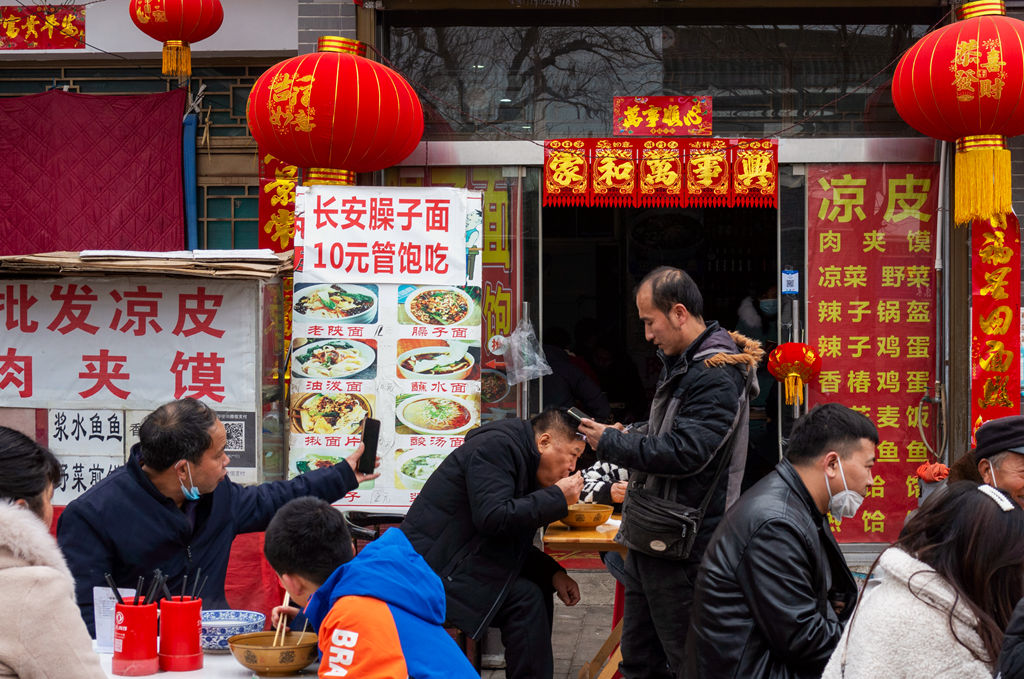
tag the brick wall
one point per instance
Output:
(324, 17)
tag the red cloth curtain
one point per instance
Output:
(83, 172)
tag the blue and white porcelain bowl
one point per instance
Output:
(219, 625)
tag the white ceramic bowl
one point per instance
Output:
(423, 401)
(412, 478)
(411, 305)
(219, 625)
(460, 374)
(364, 352)
(364, 316)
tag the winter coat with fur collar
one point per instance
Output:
(42, 635)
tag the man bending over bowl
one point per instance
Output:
(378, 615)
(474, 523)
(173, 507)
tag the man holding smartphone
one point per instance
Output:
(685, 466)
(474, 523)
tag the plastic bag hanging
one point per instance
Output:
(524, 359)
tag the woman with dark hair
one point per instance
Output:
(937, 601)
(42, 636)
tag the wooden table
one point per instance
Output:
(560, 535)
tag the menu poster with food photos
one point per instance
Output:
(404, 352)
(871, 301)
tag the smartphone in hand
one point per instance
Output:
(579, 415)
(371, 434)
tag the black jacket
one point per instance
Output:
(1011, 657)
(695, 404)
(126, 527)
(475, 519)
(763, 604)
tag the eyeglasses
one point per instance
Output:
(581, 437)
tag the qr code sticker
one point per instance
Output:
(236, 437)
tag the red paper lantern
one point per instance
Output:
(794, 363)
(176, 23)
(334, 110)
(965, 82)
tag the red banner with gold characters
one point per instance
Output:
(871, 302)
(661, 172)
(661, 116)
(42, 27)
(995, 319)
(277, 203)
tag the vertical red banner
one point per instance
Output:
(661, 173)
(707, 172)
(995, 319)
(277, 203)
(567, 172)
(613, 182)
(871, 303)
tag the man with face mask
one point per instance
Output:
(773, 590)
(173, 507)
(1000, 455)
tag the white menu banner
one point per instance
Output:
(381, 234)
(405, 352)
(122, 343)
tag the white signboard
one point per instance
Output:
(401, 348)
(120, 342)
(380, 234)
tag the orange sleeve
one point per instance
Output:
(358, 639)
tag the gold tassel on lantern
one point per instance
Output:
(794, 389)
(982, 187)
(177, 58)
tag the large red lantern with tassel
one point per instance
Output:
(794, 364)
(965, 82)
(176, 23)
(335, 110)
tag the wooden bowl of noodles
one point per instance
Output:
(257, 653)
(587, 515)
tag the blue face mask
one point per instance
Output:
(193, 492)
(769, 306)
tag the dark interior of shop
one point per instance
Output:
(593, 258)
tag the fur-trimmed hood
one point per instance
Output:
(25, 541)
(748, 352)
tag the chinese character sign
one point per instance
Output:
(405, 353)
(871, 302)
(383, 235)
(120, 343)
(661, 116)
(995, 361)
(42, 27)
(90, 444)
(276, 203)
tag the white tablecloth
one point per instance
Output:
(215, 666)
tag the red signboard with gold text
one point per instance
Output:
(661, 116)
(42, 27)
(871, 301)
(995, 363)
(661, 172)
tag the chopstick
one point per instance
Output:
(281, 623)
(113, 586)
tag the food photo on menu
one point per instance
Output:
(335, 303)
(436, 415)
(315, 358)
(330, 414)
(431, 359)
(439, 305)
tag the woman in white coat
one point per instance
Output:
(937, 601)
(42, 635)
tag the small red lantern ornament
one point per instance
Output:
(965, 82)
(793, 364)
(334, 109)
(176, 23)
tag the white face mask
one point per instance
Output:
(845, 503)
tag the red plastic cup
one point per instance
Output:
(134, 640)
(181, 622)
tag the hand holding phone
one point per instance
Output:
(579, 415)
(371, 434)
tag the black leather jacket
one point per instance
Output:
(765, 590)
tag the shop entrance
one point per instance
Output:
(592, 259)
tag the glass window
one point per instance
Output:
(537, 82)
